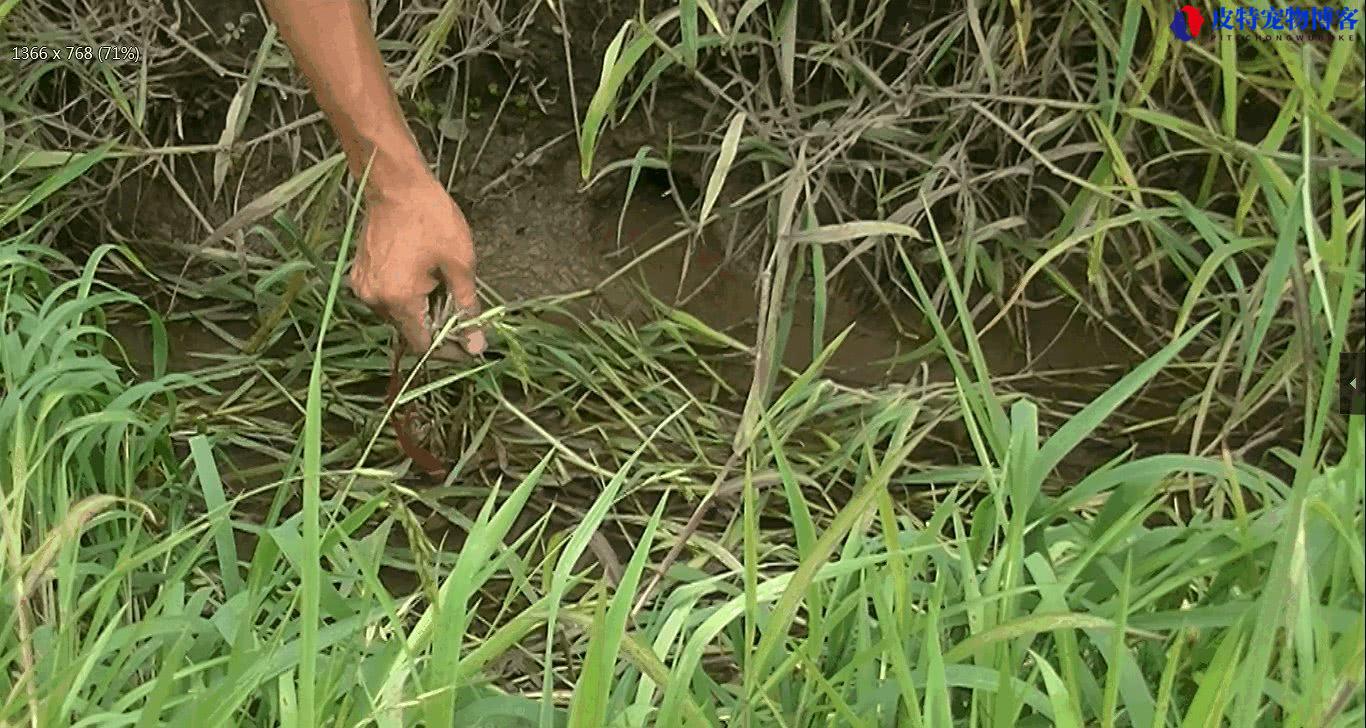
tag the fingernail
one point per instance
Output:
(475, 342)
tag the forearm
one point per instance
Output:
(334, 46)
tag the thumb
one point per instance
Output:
(410, 314)
(460, 283)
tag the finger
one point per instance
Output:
(448, 351)
(410, 315)
(446, 348)
(460, 283)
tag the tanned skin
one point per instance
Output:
(414, 235)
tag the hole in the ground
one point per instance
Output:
(661, 181)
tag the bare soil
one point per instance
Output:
(513, 167)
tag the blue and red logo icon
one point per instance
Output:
(1187, 23)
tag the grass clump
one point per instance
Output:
(660, 522)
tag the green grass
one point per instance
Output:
(632, 538)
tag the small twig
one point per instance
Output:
(532, 158)
(497, 114)
(611, 565)
(694, 522)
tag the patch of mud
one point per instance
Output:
(534, 235)
(539, 234)
(882, 346)
(513, 166)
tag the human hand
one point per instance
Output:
(414, 238)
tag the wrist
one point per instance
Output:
(395, 166)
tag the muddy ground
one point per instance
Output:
(539, 230)
(504, 140)
(508, 153)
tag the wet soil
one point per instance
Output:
(503, 140)
(539, 233)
